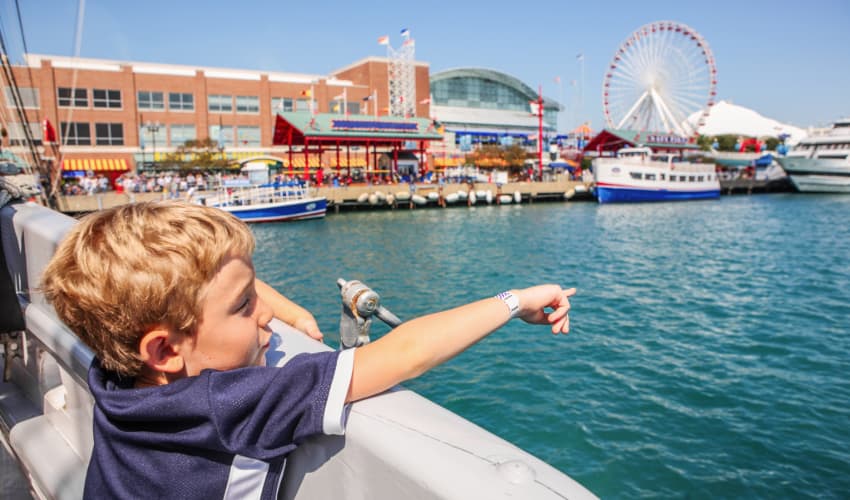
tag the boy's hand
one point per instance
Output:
(533, 302)
(309, 326)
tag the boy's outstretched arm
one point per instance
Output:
(287, 311)
(423, 343)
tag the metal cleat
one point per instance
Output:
(359, 304)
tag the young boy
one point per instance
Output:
(165, 295)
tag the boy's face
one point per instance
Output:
(232, 329)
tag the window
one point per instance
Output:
(247, 104)
(661, 176)
(281, 104)
(106, 98)
(29, 96)
(17, 137)
(649, 177)
(302, 105)
(700, 178)
(73, 98)
(221, 103)
(75, 133)
(181, 102)
(636, 175)
(151, 100)
(248, 136)
(109, 134)
(223, 134)
(152, 135)
(691, 178)
(182, 133)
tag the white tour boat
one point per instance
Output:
(820, 163)
(637, 174)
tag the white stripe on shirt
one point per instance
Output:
(333, 421)
(246, 479)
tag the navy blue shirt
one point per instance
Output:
(222, 434)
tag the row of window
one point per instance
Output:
(112, 134)
(176, 101)
(673, 177)
(176, 135)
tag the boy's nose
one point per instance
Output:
(264, 313)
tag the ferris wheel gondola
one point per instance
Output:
(661, 78)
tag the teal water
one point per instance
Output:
(710, 345)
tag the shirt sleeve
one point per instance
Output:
(265, 412)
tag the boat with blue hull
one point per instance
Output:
(268, 202)
(639, 175)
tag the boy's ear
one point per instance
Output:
(158, 353)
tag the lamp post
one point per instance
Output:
(152, 128)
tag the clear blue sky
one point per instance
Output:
(789, 61)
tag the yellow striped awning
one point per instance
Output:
(95, 164)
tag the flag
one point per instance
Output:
(404, 32)
(384, 40)
(306, 93)
(580, 57)
(367, 98)
(409, 42)
(339, 97)
(49, 133)
(535, 107)
(557, 80)
(425, 101)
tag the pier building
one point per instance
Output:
(109, 116)
(484, 106)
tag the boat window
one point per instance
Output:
(700, 178)
(635, 175)
(672, 178)
(661, 176)
(691, 178)
(649, 177)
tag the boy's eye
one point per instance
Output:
(245, 303)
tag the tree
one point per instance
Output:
(197, 153)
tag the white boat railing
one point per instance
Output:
(249, 195)
(397, 444)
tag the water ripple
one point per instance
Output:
(710, 340)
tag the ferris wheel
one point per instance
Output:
(662, 76)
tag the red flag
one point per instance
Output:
(48, 132)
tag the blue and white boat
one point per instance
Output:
(637, 174)
(269, 202)
(254, 199)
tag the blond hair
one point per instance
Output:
(121, 271)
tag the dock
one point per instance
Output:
(352, 197)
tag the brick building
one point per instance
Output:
(115, 115)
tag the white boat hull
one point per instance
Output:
(817, 175)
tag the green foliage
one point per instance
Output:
(199, 153)
(770, 143)
(492, 155)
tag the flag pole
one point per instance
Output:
(540, 130)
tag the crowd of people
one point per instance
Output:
(176, 183)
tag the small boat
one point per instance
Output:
(637, 174)
(452, 198)
(271, 202)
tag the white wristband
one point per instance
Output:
(510, 300)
